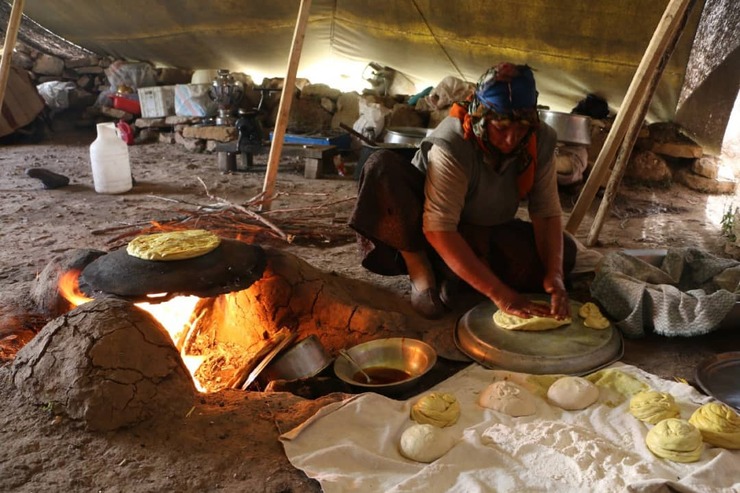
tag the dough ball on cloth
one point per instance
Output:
(718, 424)
(173, 245)
(653, 407)
(675, 439)
(425, 443)
(437, 408)
(512, 322)
(572, 393)
(508, 398)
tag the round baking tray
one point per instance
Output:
(719, 375)
(572, 349)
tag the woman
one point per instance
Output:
(450, 213)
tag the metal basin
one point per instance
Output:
(406, 135)
(571, 129)
(411, 356)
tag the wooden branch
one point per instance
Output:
(252, 214)
(638, 94)
(286, 99)
(634, 126)
(11, 34)
(241, 374)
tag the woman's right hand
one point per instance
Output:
(519, 305)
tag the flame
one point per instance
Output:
(174, 314)
(70, 289)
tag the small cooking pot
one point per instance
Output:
(304, 359)
(571, 128)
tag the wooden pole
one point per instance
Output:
(11, 35)
(286, 99)
(633, 130)
(663, 37)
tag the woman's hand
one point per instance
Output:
(516, 304)
(559, 304)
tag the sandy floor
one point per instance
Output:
(230, 442)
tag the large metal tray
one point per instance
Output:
(719, 376)
(573, 349)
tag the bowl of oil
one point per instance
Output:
(393, 364)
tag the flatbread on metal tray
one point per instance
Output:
(173, 245)
(512, 322)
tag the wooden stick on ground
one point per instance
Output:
(638, 92)
(252, 214)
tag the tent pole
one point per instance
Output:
(633, 130)
(639, 93)
(14, 22)
(286, 99)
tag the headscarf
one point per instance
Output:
(505, 92)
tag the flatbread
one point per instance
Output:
(174, 245)
(512, 322)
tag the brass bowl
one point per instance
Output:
(383, 357)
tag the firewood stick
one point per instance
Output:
(241, 374)
(252, 214)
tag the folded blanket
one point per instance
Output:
(689, 294)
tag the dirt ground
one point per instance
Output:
(230, 441)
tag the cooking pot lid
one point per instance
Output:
(572, 349)
(718, 376)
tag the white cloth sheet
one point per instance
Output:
(353, 446)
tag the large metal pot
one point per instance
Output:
(406, 135)
(571, 128)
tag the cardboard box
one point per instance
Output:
(21, 104)
(157, 102)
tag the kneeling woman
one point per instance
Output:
(449, 214)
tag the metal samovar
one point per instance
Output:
(227, 93)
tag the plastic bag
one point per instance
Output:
(56, 93)
(372, 118)
(449, 90)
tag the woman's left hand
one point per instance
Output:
(559, 305)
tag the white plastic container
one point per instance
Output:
(111, 168)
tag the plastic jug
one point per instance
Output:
(111, 169)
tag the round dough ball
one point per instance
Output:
(718, 424)
(653, 407)
(508, 398)
(592, 316)
(425, 443)
(572, 393)
(675, 439)
(438, 409)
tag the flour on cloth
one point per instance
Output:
(354, 445)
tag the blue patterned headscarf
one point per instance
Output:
(505, 92)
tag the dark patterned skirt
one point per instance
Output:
(388, 219)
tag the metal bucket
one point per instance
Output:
(306, 358)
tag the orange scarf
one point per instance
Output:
(525, 180)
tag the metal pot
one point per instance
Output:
(406, 135)
(304, 359)
(571, 128)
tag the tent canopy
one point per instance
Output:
(576, 46)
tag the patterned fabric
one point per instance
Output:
(682, 297)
